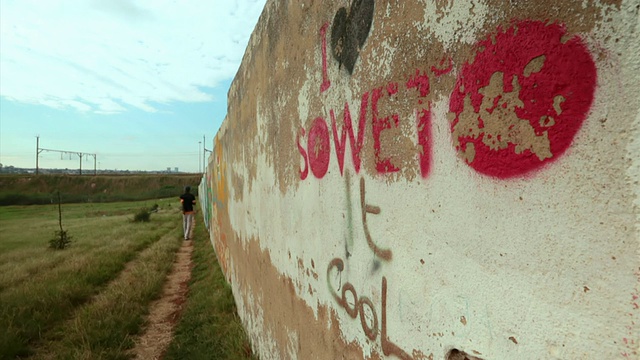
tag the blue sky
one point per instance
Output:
(139, 83)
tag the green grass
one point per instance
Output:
(41, 288)
(41, 189)
(90, 300)
(103, 328)
(210, 327)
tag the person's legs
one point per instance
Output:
(192, 224)
(185, 225)
(188, 226)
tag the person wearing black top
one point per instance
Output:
(188, 214)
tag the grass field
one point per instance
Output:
(25, 189)
(210, 328)
(90, 300)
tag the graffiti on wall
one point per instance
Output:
(349, 32)
(218, 182)
(316, 152)
(522, 100)
(219, 173)
(362, 306)
(516, 106)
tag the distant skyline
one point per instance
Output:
(136, 82)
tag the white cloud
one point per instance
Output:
(105, 55)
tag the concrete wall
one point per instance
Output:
(422, 179)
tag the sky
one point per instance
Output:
(138, 83)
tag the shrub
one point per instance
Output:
(61, 241)
(142, 216)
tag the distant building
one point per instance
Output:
(176, 169)
(169, 169)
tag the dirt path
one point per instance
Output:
(165, 312)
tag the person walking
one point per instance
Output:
(188, 214)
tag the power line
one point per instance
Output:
(149, 154)
(63, 153)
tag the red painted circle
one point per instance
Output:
(531, 117)
(318, 147)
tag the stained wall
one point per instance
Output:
(425, 179)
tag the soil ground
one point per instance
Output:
(165, 312)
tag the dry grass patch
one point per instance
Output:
(209, 328)
(41, 288)
(104, 327)
(166, 311)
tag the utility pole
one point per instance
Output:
(204, 148)
(37, 151)
(63, 152)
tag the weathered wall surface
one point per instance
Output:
(403, 178)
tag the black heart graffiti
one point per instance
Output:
(349, 32)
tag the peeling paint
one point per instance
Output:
(489, 151)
